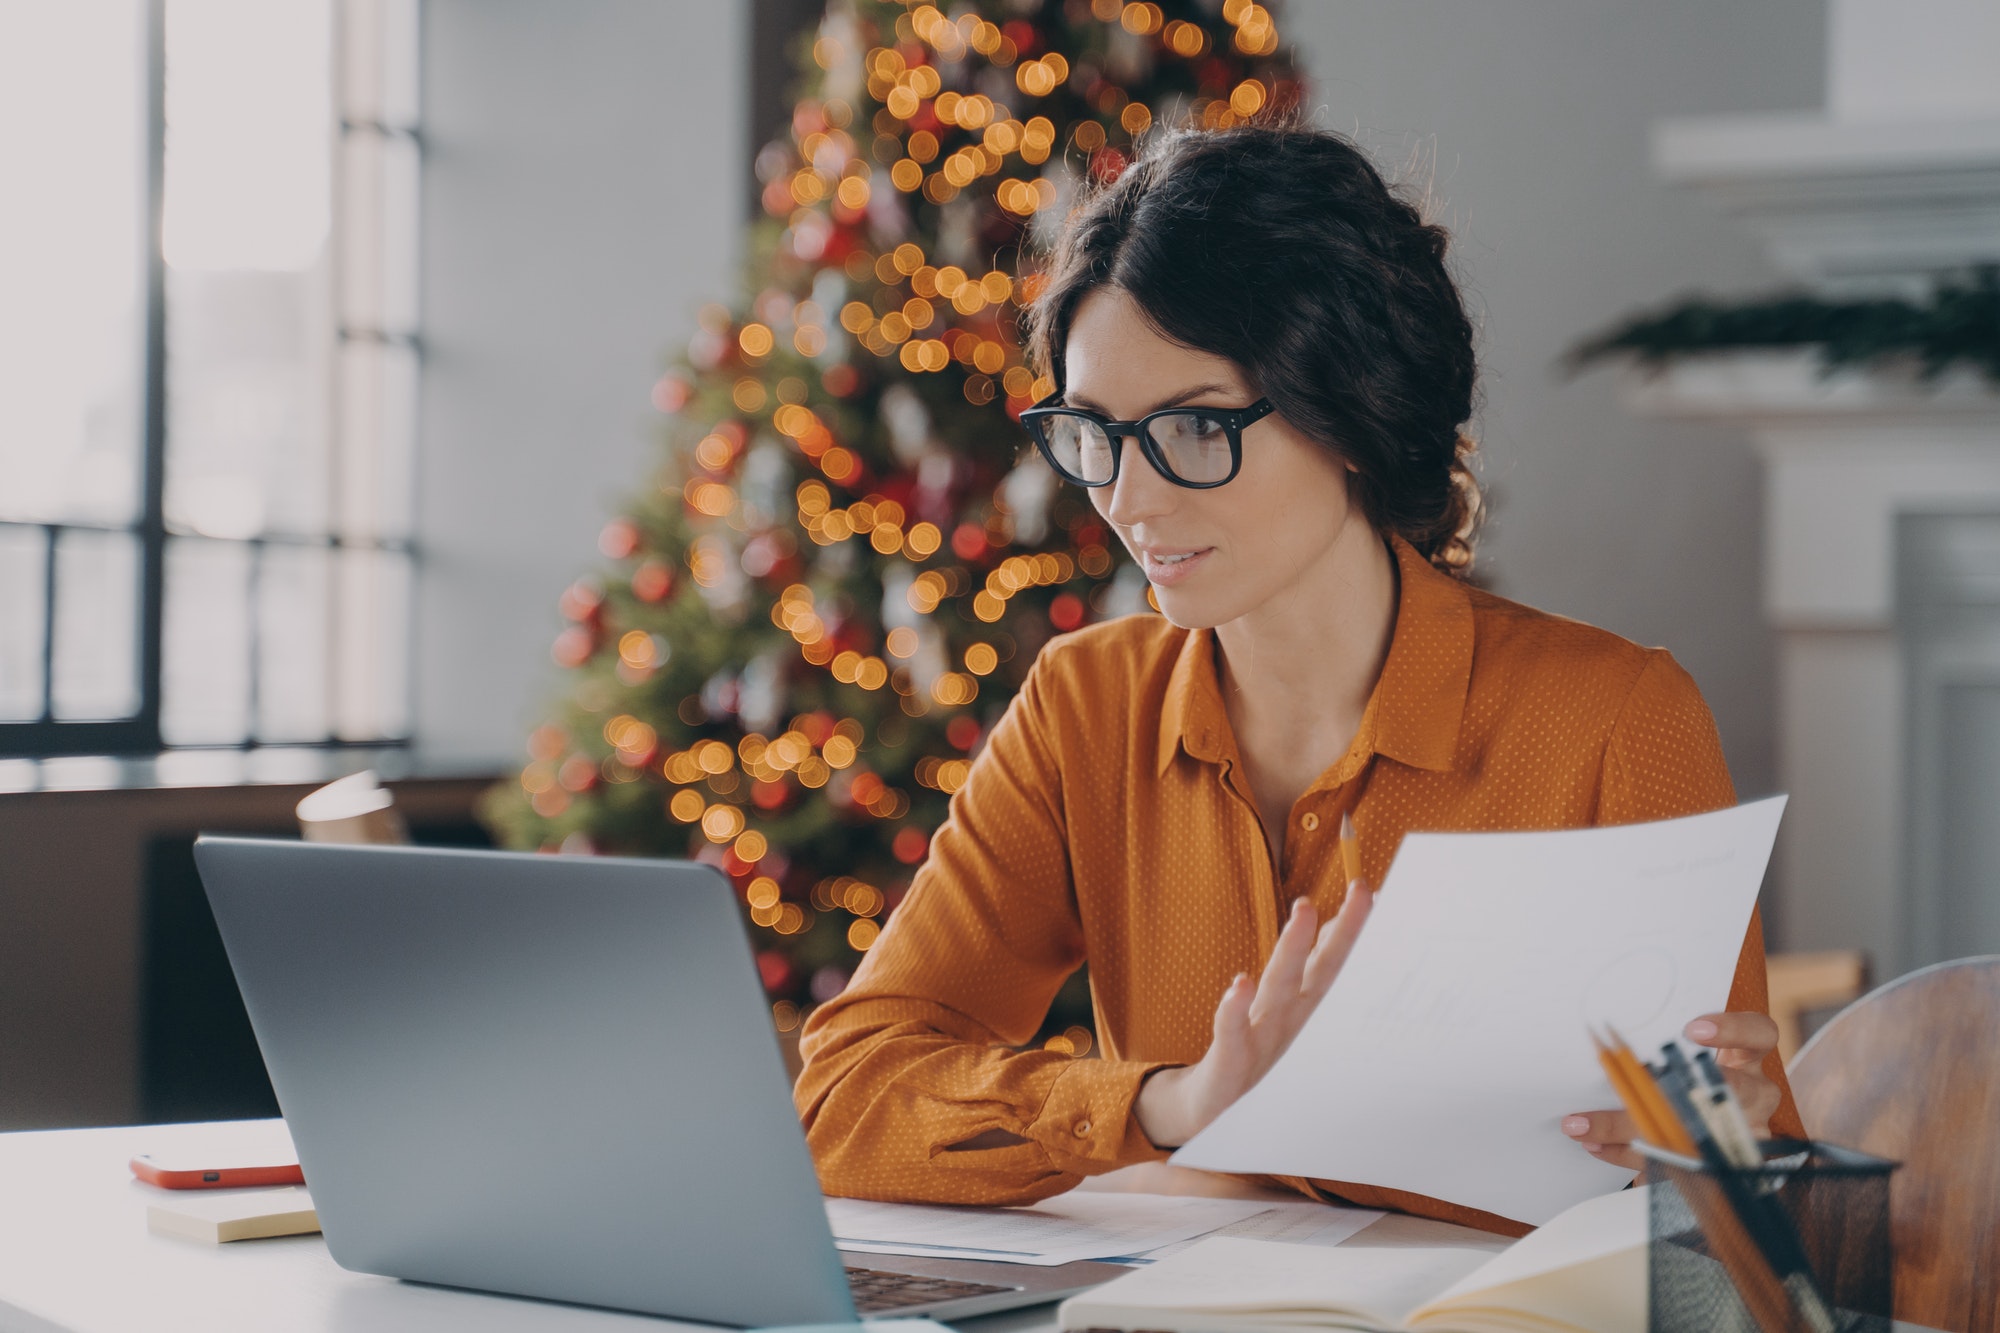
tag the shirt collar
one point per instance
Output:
(1419, 700)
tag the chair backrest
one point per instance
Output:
(1799, 984)
(1912, 1072)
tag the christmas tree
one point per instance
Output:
(848, 559)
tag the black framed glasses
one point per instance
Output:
(1198, 447)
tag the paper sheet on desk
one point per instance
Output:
(1453, 1042)
(1324, 1225)
(1061, 1230)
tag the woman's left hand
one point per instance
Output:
(1741, 1042)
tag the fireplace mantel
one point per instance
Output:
(1845, 454)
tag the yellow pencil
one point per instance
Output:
(1350, 849)
(1621, 1083)
(1672, 1134)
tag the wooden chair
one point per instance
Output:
(1802, 984)
(1912, 1072)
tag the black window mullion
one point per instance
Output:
(48, 624)
(152, 520)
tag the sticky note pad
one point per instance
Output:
(234, 1215)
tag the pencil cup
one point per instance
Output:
(1798, 1245)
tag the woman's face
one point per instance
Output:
(1213, 556)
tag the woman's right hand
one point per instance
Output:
(1254, 1023)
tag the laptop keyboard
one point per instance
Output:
(875, 1291)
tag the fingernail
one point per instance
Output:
(1576, 1126)
(1298, 905)
(1701, 1030)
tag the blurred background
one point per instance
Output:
(354, 352)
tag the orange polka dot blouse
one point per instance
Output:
(1107, 821)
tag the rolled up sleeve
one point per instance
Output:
(917, 1056)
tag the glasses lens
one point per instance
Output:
(1081, 448)
(1194, 446)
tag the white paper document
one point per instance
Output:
(1454, 1041)
(1055, 1231)
(1324, 1225)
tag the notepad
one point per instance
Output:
(1585, 1272)
(227, 1215)
(1454, 1040)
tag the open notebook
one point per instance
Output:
(1585, 1271)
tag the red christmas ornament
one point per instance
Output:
(910, 845)
(815, 727)
(619, 539)
(865, 789)
(653, 580)
(774, 970)
(671, 394)
(968, 541)
(581, 602)
(573, 647)
(1107, 164)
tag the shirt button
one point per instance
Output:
(1083, 1129)
(1309, 821)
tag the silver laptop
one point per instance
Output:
(553, 1077)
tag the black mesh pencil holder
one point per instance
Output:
(1800, 1243)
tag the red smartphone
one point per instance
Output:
(217, 1161)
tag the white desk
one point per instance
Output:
(75, 1256)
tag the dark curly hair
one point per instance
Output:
(1280, 247)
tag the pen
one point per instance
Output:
(1677, 1081)
(1725, 1113)
(1350, 849)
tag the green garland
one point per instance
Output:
(1960, 323)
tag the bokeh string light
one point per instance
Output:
(811, 618)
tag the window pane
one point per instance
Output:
(23, 575)
(97, 625)
(293, 606)
(378, 410)
(205, 677)
(72, 258)
(246, 403)
(247, 214)
(249, 121)
(374, 627)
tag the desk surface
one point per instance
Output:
(75, 1255)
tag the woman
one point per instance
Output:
(1263, 366)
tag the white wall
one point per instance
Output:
(1528, 123)
(583, 194)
